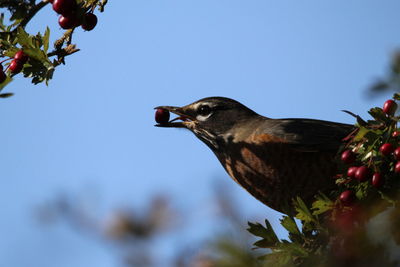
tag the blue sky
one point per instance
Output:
(92, 128)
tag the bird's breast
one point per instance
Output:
(271, 171)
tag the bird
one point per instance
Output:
(275, 160)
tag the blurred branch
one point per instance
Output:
(391, 82)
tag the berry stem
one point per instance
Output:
(1, 62)
(32, 13)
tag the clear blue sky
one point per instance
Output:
(92, 127)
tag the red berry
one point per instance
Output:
(348, 156)
(396, 134)
(390, 107)
(351, 172)
(386, 149)
(397, 167)
(21, 56)
(377, 179)
(3, 76)
(162, 116)
(362, 174)
(89, 21)
(396, 153)
(16, 66)
(64, 7)
(347, 197)
(68, 22)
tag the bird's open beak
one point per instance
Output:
(182, 121)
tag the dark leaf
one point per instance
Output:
(5, 95)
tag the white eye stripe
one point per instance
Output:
(197, 105)
(203, 118)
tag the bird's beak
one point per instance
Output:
(182, 121)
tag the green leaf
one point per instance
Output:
(290, 225)
(396, 96)
(46, 38)
(303, 213)
(23, 38)
(378, 114)
(362, 190)
(294, 233)
(7, 81)
(6, 95)
(361, 133)
(322, 204)
(267, 233)
(278, 258)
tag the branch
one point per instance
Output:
(32, 13)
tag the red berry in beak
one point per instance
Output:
(347, 197)
(162, 116)
(386, 149)
(390, 107)
(348, 156)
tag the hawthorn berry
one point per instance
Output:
(162, 115)
(348, 156)
(68, 22)
(386, 149)
(397, 167)
(64, 7)
(346, 219)
(377, 179)
(21, 56)
(16, 66)
(347, 197)
(390, 107)
(3, 76)
(89, 21)
(351, 171)
(362, 174)
(396, 153)
(396, 134)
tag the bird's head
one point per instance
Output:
(208, 118)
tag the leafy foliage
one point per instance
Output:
(334, 232)
(42, 62)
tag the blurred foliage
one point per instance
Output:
(135, 231)
(392, 80)
(336, 230)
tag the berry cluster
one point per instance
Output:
(16, 65)
(373, 155)
(71, 15)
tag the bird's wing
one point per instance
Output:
(307, 135)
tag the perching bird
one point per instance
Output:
(275, 160)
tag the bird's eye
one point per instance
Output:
(204, 110)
